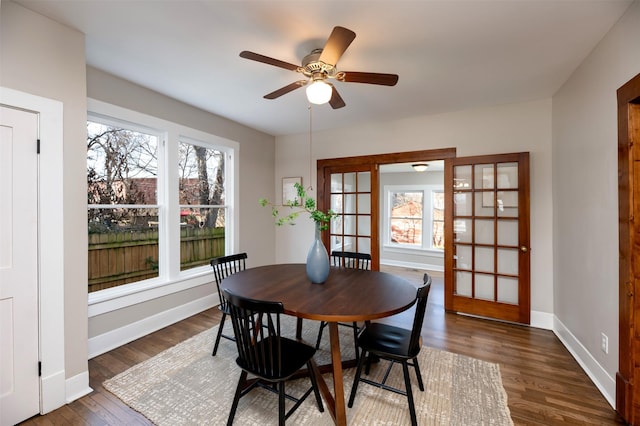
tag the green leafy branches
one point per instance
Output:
(301, 204)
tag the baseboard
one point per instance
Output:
(543, 320)
(77, 386)
(53, 391)
(598, 375)
(410, 265)
(108, 341)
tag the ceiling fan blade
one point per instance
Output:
(335, 46)
(267, 60)
(286, 89)
(336, 100)
(370, 78)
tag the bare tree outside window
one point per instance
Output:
(121, 177)
(201, 185)
(132, 202)
(122, 168)
(407, 217)
(437, 203)
(201, 198)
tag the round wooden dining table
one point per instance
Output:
(348, 295)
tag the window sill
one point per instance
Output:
(120, 297)
(413, 250)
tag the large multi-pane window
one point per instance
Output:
(122, 182)
(415, 217)
(158, 203)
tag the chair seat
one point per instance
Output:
(294, 356)
(387, 340)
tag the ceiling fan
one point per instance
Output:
(319, 66)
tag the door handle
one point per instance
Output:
(524, 249)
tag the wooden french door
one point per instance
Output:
(351, 191)
(487, 260)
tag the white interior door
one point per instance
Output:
(19, 382)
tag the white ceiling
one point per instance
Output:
(450, 54)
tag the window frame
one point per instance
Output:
(427, 217)
(170, 279)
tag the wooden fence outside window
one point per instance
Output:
(117, 258)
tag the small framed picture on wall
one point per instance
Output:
(289, 191)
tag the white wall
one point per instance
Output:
(43, 58)
(493, 130)
(585, 195)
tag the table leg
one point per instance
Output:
(340, 416)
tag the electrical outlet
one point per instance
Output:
(604, 344)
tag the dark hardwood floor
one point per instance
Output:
(544, 384)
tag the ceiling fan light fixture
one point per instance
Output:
(319, 92)
(420, 167)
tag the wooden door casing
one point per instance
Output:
(627, 396)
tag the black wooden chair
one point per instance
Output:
(396, 345)
(265, 354)
(350, 259)
(223, 267)
(353, 260)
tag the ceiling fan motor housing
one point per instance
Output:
(313, 68)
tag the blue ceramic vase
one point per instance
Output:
(317, 260)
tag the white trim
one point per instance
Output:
(419, 266)
(112, 339)
(50, 391)
(598, 375)
(142, 291)
(543, 320)
(51, 244)
(414, 250)
(77, 386)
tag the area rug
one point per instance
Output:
(185, 385)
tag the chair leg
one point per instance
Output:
(323, 324)
(407, 383)
(356, 380)
(281, 396)
(417, 368)
(314, 382)
(299, 329)
(355, 338)
(215, 346)
(236, 397)
(368, 368)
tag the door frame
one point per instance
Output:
(53, 382)
(372, 163)
(627, 395)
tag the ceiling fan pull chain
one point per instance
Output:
(310, 144)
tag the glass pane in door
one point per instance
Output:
(351, 200)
